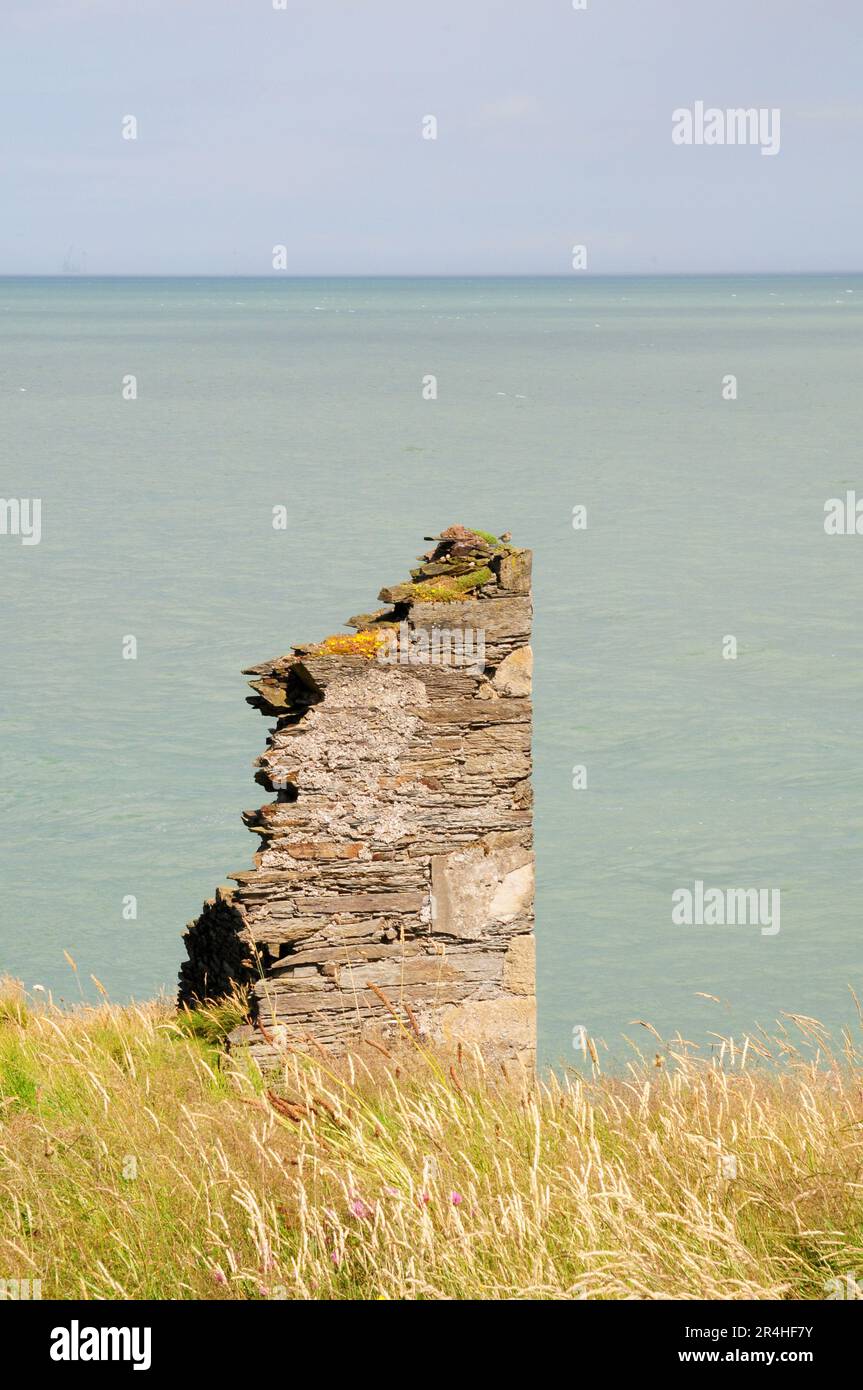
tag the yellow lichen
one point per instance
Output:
(446, 590)
(366, 644)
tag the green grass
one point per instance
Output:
(138, 1160)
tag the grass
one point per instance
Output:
(137, 1160)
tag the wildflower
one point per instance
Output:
(219, 1277)
(456, 1199)
(359, 1208)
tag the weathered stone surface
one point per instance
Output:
(506, 622)
(519, 965)
(394, 879)
(513, 571)
(479, 889)
(505, 1026)
(513, 675)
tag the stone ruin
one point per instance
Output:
(393, 890)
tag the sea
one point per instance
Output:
(666, 446)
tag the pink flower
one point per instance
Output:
(336, 1258)
(456, 1198)
(424, 1198)
(359, 1208)
(219, 1277)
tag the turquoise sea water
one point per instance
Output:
(705, 518)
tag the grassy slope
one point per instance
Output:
(136, 1161)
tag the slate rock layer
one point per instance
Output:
(394, 885)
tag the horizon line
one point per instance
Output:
(426, 275)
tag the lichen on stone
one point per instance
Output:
(448, 590)
(396, 861)
(366, 644)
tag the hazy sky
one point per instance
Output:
(302, 126)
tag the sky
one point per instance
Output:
(302, 127)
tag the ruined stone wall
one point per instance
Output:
(396, 862)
